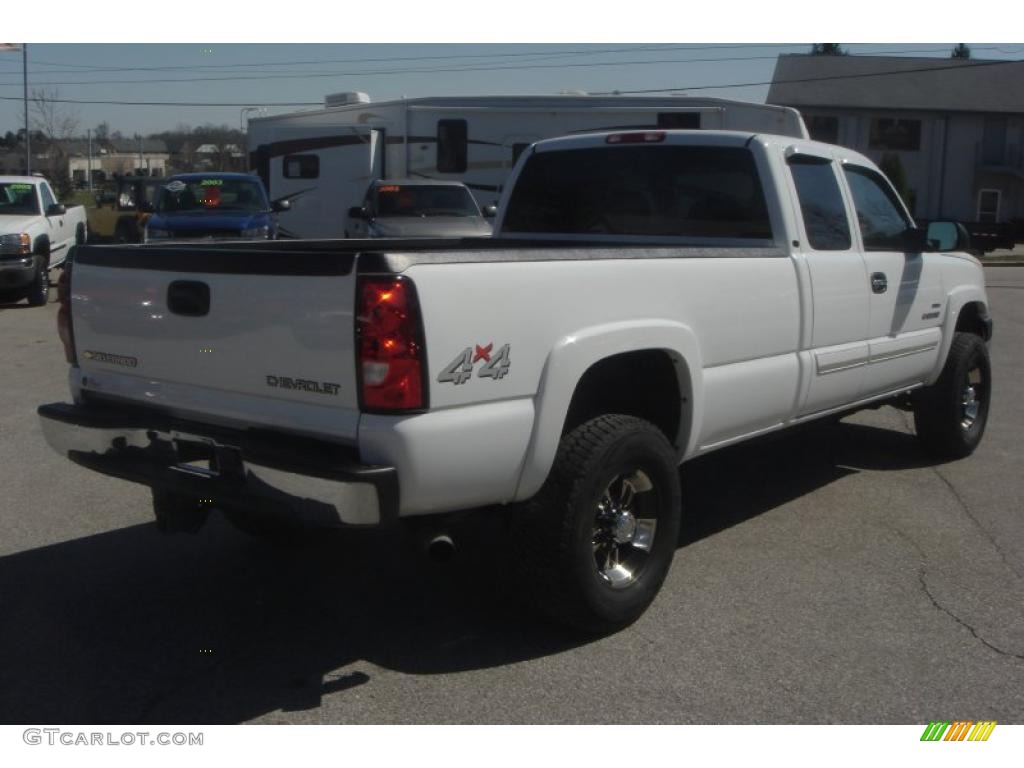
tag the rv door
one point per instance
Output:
(323, 171)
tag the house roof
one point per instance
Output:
(118, 146)
(896, 82)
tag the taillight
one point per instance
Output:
(644, 137)
(64, 328)
(389, 345)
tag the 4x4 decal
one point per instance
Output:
(460, 370)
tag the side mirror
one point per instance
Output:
(947, 236)
(56, 210)
(357, 212)
(490, 211)
(281, 205)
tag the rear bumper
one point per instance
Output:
(314, 481)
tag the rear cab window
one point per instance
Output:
(670, 190)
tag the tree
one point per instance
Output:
(827, 49)
(102, 131)
(58, 126)
(892, 167)
(961, 52)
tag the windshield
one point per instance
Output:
(18, 199)
(425, 200)
(211, 194)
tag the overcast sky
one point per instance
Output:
(247, 74)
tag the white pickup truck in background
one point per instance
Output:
(648, 297)
(36, 233)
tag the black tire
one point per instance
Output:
(564, 536)
(38, 292)
(950, 415)
(80, 235)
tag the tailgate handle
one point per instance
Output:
(189, 298)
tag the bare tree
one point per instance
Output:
(961, 52)
(827, 49)
(58, 126)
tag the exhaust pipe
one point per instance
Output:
(441, 548)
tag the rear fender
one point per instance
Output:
(574, 354)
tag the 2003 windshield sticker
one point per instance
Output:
(495, 366)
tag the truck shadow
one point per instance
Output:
(132, 627)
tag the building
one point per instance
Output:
(121, 157)
(955, 126)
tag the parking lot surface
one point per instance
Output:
(834, 574)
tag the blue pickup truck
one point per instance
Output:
(213, 206)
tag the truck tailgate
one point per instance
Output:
(232, 335)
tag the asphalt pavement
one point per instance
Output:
(832, 575)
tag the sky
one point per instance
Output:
(251, 75)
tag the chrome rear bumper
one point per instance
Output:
(314, 481)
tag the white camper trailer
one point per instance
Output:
(324, 160)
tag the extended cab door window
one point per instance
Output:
(879, 213)
(47, 196)
(821, 203)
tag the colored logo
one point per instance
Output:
(959, 730)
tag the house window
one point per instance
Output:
(823, 128)
(988, 204)
(517, 150)
(686, 120)
(452, 144)
(892, 134)
(301, 166)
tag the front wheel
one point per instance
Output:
(950, 415)
(595, 545)
(39, 290)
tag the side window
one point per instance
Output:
(821, 203)
(452, 141)
(48, 200)
(301, 166)
(882, 221)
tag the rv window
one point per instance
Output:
(301, 166)
(687, 120)
(641, 190)
(451, 146)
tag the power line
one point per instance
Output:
(438, 70)
(539, 54)
(813, 79)
(608, 93)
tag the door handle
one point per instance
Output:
(879, 282)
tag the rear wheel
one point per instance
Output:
(594, 546)
(950, 415)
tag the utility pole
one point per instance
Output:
(139, 137)
(88, 166)
(28, 138)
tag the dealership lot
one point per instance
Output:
(831, 575)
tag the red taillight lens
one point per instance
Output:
(389, 345)
(64, 328)
(645, 137)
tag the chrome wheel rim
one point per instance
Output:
(971, 398)
(625, 524)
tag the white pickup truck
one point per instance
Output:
(36, 233)
(648, 297)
